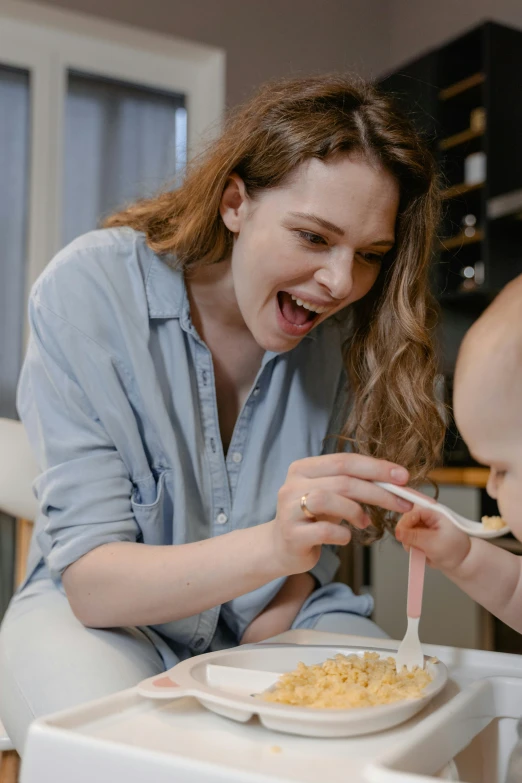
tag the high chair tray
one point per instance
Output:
(131, 738)
(450, 730)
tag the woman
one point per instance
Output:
(186, 368)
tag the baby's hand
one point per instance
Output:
(444, 545)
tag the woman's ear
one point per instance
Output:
(233, 203)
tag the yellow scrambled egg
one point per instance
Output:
(348, 681)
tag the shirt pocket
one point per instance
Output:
(151, 503)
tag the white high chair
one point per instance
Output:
(18, 470)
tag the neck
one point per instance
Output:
(212, 297)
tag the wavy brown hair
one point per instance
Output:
(389, 356)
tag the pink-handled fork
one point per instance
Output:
(410, 651)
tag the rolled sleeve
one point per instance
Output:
(326, 567)
(84, 489)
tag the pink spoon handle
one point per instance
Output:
(415, 582)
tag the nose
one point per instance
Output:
(491, 486)
(336, 275)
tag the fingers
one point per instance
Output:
(365, 492)
(406, 523)
(323, 532)
(358, 465)
(418, 517)
(335, 486)
(413, 529)
(418, 537)
(430, 532)
(323, 503)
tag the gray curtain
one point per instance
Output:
(121, 143)
(14, 163)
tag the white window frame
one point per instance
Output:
(47, 43)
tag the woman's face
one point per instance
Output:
(306, 250)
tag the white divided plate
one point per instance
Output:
(226, 682)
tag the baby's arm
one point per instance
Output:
(487, 573)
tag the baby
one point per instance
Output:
(488, 413)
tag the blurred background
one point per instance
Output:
(103, 101)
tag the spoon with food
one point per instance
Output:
(490, 527)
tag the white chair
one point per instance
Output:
(18, 470)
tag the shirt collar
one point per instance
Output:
(165, 290)
(166, 294)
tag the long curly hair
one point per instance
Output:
(389, 355)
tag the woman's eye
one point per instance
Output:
(311, 238)
(372, 258)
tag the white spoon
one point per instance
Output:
(466, 525)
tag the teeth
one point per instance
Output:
(309, 305)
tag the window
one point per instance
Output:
(14, 168)
(92, 115)
(121, 143)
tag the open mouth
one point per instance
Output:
(295, 312)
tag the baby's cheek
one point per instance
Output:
(509, 501)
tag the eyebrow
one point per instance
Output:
(335, 229)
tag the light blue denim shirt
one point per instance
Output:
(118, 398)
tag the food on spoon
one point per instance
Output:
(493, 523)
(348, 681)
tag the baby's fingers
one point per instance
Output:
(417, 517)
(445, 547)
(406, 524)
(418, 537)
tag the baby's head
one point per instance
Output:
(488, 399)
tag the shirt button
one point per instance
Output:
(221, 518)
(237, 457)
(256, 391)
(199, 643)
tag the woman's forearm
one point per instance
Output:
(492, 577)
(125, 583)
(281, 612)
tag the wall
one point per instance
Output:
(269, 38)
(263, 39)
(418, 25)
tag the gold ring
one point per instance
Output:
(304, 508)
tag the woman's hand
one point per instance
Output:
(335, 486)
(444, 545)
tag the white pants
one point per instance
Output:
(49, 661)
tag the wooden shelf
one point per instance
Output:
(460, 138)
(468, 477)
(461, 189)
(462, 86)
(462, 239)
